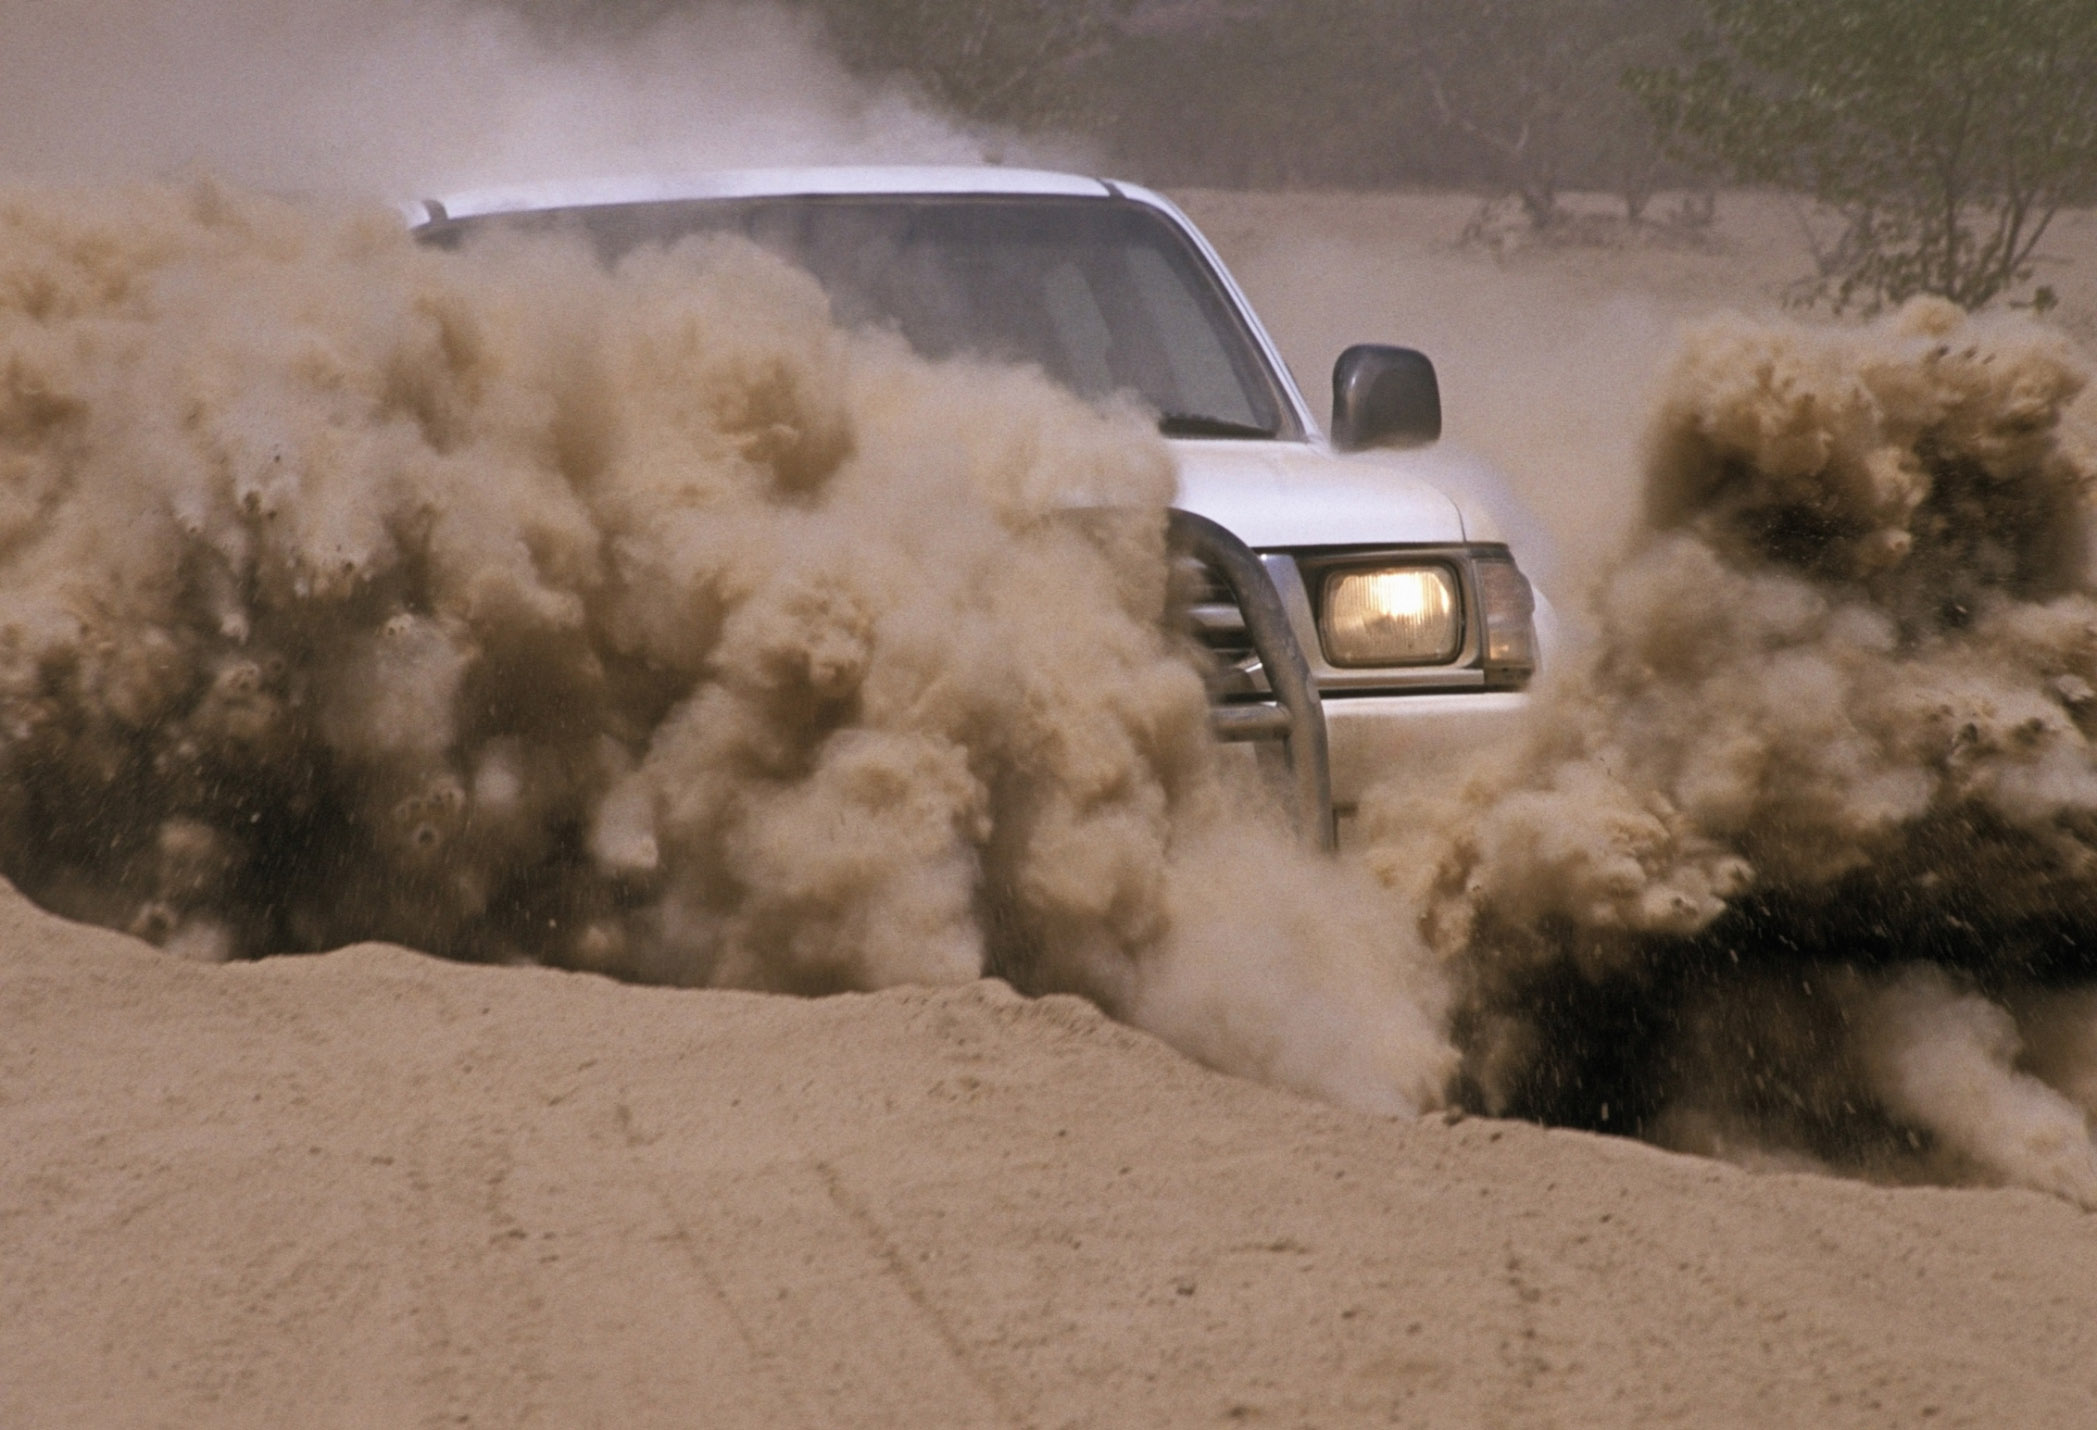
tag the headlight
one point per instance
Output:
(1391, 615)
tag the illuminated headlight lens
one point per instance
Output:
(1394, 615)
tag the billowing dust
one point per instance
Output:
(637, 621)
(1799, 862)
(412, 97)
(642, 621)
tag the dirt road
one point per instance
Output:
(375, 1189)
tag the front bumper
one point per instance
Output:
(1375, 737)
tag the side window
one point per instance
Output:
(1201, 369)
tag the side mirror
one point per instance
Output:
(1384, 397)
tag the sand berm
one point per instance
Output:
(375, 1188)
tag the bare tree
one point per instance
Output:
(1534, 86)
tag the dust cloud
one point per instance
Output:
(637, 621)
(404, 98)
(643, 622)
(1800, 862)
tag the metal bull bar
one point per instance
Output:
(1295, 715)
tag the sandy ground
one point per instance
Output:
(370, 1189)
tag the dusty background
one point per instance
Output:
(373, 1188)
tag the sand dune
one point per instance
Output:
(372, 1188)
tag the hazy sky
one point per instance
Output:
(401, 98)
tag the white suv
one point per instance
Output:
(1391, 607)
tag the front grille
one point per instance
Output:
(1210, 616)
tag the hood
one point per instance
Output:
(1292, 494)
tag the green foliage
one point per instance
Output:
(1946, 134)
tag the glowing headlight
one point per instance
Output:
(1394, 615)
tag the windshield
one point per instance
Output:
(1106, 296)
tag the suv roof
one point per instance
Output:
(762, 183)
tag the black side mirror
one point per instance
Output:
(1384, 397)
